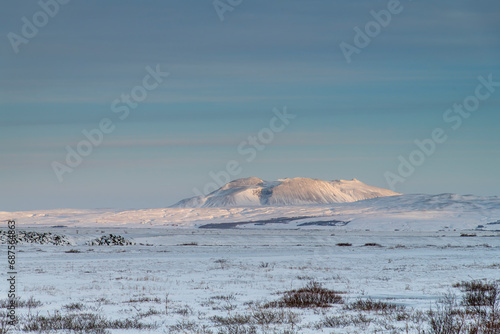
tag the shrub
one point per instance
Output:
(183, 326)
(371, 305)
(74, 307)
(144, 299)
(446, 318)
(478, 293)
(222, 263)
(372, 244)
(18, 302)
(110, 240)
(477, 313)
(80, 322)
(237, 319)
(344, 321)
(312, 295)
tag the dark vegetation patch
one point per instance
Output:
(311, 295)
(30, 237)
(20, 303)
(78, 322)
(246, 323)
(280, 220)
(110, 240)
(373, 305)
(478, 311)
(340, 321)
(494, 223)
(74, 307)
(144, 300)
(325, 223)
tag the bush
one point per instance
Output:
(447, 318)
(477, 313)
(74, 307)
(80, 322)
(371, 305)
(110, 240)
(222, 263)
(312, 295)
(372, 244)
(479, 294)
(344, 321)
(237, 319)
(19, 303)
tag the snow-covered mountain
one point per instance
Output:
(253, 191)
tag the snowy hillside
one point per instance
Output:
(297, 191)
(405, 213)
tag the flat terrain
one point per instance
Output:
(194, 280)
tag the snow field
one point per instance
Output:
(227, 273)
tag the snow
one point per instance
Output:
(220, 272)
(411, 268)
(297, 191)
(412, 212)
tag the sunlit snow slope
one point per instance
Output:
(297, 191)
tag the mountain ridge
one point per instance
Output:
(253, 191)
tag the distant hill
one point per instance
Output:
(253, 191)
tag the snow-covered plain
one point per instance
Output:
(405, 212)
(206, 273)
(180, 278)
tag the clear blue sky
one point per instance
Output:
(353, 120)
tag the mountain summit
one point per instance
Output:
(253, 191)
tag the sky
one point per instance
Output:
(356, 94)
